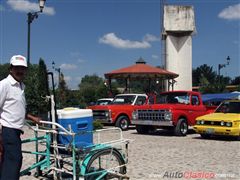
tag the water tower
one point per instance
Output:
(178, 28)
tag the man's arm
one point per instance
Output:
(34, 119)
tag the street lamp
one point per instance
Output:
(59, 72)
(31, 17)
(220, 66)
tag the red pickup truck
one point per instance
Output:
(175, 110)
(119, 111)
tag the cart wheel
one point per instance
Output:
(103, 161)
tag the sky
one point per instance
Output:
(86, 37)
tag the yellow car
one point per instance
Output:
(224, 121)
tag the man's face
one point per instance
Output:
(18, 72)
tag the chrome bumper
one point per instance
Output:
(152, 123)
(105, 121)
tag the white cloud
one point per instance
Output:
(150, 38)
(72, 81)
(68, 66)
(155, 56)
(81, 60)
(78, 78)
(68, 78)
(112, 40)
(76, 55)
(231, 12)
(27, 6)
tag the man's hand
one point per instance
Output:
(34, 119)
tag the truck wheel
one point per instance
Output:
(181, 128)
(142, 129)
(122, 122)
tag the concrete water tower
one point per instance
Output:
(178, 28)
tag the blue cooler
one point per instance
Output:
(81, 121)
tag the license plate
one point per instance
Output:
(210, 131)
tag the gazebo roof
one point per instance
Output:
(141, 70)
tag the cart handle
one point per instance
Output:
(58, 125)
(51, 123)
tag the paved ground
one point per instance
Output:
(163, 156)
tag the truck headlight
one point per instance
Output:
(135, 115)
(222, 123)
(168, 115)
(229, 124)
(201, 122)
(198, 122)
(108, 114)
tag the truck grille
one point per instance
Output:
(213, 123)
(100, 114)
(151, 114)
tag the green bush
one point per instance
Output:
(97, 125)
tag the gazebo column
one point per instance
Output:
(128, 82)
(126, 85)
(149, 85)
(110, 87)
(169, 84)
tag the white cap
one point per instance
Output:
(18, 60)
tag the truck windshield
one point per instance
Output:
(229, 107)
(129, 99)
(173, 98)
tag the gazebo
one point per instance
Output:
(140, 71)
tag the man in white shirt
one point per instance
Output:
(12, 117)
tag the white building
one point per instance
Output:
(178, 28)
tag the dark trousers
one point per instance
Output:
(12, 158)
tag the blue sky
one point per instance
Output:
(85, 37)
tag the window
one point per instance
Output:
(173, 98)
(195, 100)
(124, 99)
(229, 107)
(140, 100)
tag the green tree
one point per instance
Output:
(4, 71)
(74, 99)
(208, 81)
(43, 89)
(92, 88)
(31, 90)
(236, 81)
(203, 71)
(37, 89)
(207, 87)
(62, 92)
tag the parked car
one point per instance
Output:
(224, 121)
